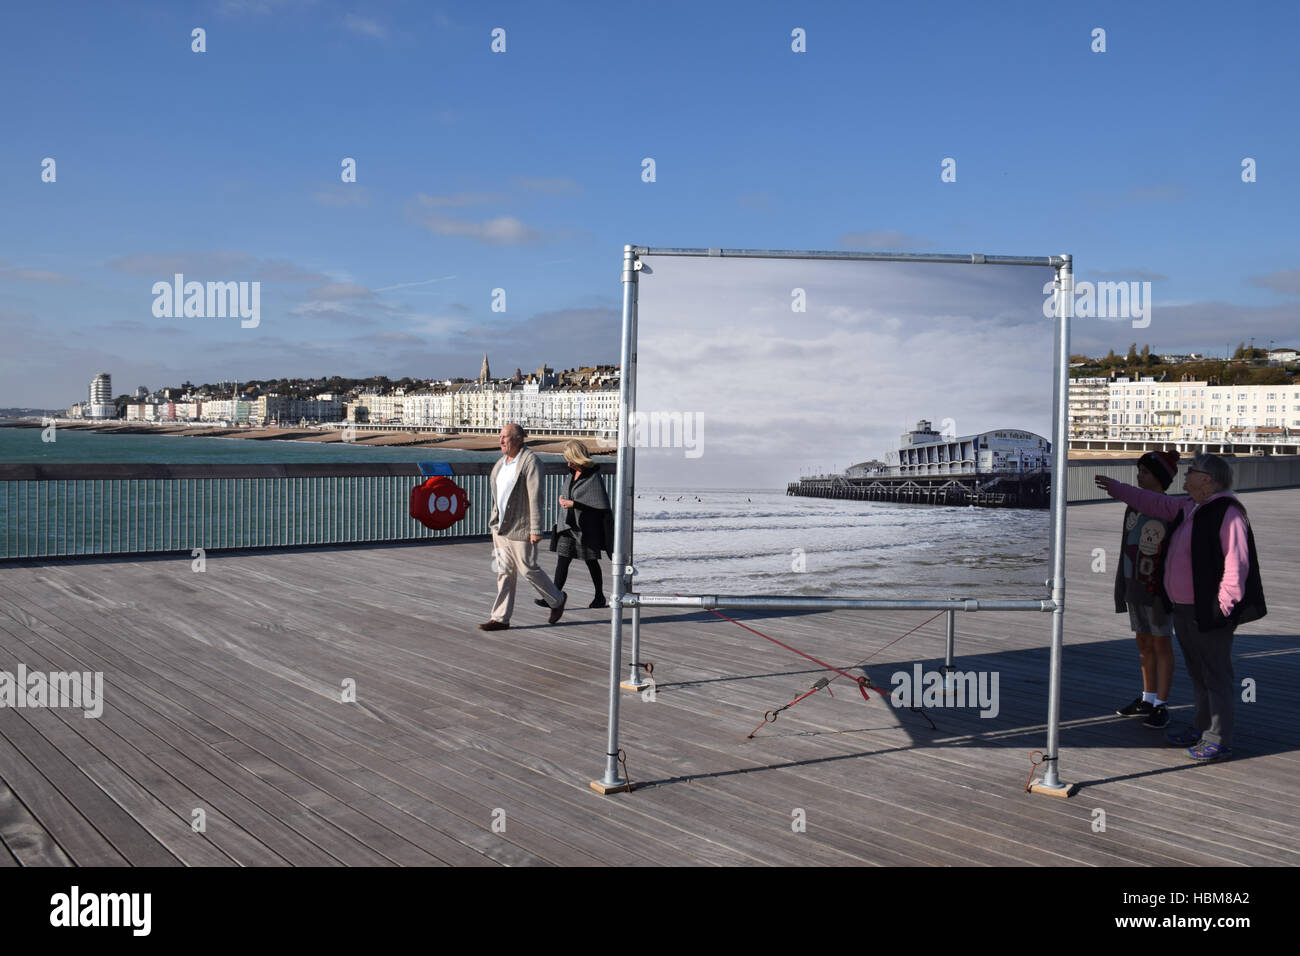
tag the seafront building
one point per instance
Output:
(1147, 411)
(376, 409)
(101, 397)
(284, 410)
(582, 402)
(165, 411)
(1089, 405)
(1004, 467)
(924, 451)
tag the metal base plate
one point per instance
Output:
(628, 685)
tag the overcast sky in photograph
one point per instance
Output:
(878, 346)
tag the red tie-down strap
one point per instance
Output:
(439, 503)
(862, 682)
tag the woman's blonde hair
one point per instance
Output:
(577, 454)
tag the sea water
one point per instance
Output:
(765, 542)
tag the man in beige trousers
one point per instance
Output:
(516, 525)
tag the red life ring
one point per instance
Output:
(439, 503)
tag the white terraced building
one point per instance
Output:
(1185, 414)
(489, 405)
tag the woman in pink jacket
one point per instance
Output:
(1211, 583)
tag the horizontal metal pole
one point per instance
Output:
(828, 603)
(969, 258)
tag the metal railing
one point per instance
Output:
(71, 510)
(1249, 473)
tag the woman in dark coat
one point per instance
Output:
(587, 526)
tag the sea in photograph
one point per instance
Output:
(755, 541)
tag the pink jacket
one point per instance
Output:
(1178, 560)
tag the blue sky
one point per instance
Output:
(522, 170)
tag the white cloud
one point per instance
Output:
(556, 186)
(882, 240)
(213, 265)
(343, 196)
(36, 275)
(501, 231)
(340, 290)
(425, 201)
(365, 26)
(1283, 281)
(408, 285)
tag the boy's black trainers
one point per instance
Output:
(1159, 717)
(1139, 708)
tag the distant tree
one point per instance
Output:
(1132, 356)
(1145, 356)
(1241, 351)
(1269, 376)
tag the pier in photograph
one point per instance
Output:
(1003, 468)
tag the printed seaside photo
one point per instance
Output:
(874, 429)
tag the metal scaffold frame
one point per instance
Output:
(624, 597)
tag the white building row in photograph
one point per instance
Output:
(1151, 411)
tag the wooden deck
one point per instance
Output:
(223, 695)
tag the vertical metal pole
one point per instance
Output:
(634, 679)
(951, 642)
(611, 779)
(1060, 468)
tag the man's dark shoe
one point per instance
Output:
(1159, 717)
(558, 610)
(1139, 708)
(494, 626)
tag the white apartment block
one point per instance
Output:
(169, 411)
(1175, 412)
(1089, 405)
(290, 411)
(377, 409)
(224, 410)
